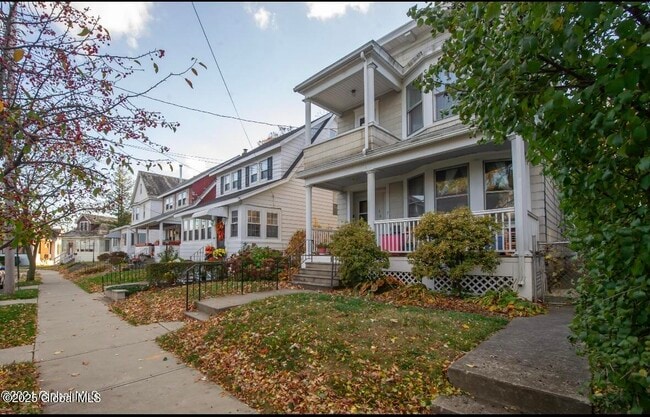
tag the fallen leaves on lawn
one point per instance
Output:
(19, 377)
(18, 325)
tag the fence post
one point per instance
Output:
(242, 277)
(187, 290)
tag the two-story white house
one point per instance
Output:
(400, 152)
(257, 198)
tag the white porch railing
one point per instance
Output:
(396, 235)
(321, 235)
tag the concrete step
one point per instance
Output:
(311, 266)
(559, 300)
(197, 315)
(313, 286)
(206, 308)
(465, 404)
(315, 278)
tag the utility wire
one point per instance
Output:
(221, 74)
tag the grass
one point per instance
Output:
(29, 283)
(156, 305)
(322, 353)
(21, 377)
(18, 325)
(20, 295)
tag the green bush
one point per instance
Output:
(508, 301)
(452, 244)
(361, 260)
(165, 274)
(255, 263)
(168, 255)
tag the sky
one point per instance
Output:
(263, 51)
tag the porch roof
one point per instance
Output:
(399, 158)
(155, 221)
(340, 86)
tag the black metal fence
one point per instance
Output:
(125, 273)
(205, 279)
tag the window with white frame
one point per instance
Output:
(196, 227)
(84, 226)
(414, 114)
(452, 188)
(499, 185)
(264, 169)
(272, 225)
(186, 227)
(235, 180)
(209, 224)
(254, 223)
(203, 224)
(442, 102)
(169, 203)
(226, 182)
(234, 223)
(137, 213)
(252, 173)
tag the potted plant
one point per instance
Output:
(322, 248)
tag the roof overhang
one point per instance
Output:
(211, 212)
(340, 87)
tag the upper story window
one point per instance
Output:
(84, 226)
(169, 203)
(137, 213)
(182, 199)
(236, 180)
(452, 186)
(442, 102)
(265, 168)
(499, 190)
(252, 173)
(225, 182)
(414, 115)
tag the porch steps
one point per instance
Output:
(561, 297)
(528, 367)
(316, 276)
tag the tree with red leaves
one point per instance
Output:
(63, 112)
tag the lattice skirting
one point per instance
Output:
(472, 284)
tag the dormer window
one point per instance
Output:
(169, 203)
(84, 226)
(226, 182)
(182, 199)
(266, 168)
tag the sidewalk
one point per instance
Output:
(81, 346)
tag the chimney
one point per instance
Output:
(245, 150)
(180, 172)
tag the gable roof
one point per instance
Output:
(96, 219)
(157, 184)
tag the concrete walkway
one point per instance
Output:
(17, 354)
(23, 301)
(81, 346)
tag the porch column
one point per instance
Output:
(521, 212)
(161, 235)
(371, 199)
(307, 122)
(349, 207)
(308, 217)
(368, 100)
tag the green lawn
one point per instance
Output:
(20, 295)
(321, 353)
(21, 377)
(28, 283)
(18, 325)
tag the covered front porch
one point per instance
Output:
(392, 191)
(156, 235)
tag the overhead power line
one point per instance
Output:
(221, 74)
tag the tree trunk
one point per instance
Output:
(31, 251)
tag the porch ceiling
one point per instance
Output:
(388, 171)
(339, 98)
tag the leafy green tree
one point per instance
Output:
(360, 257)
(120, 196)
(572, 80)
(452, 244)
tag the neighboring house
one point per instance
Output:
(257, 198)
(88, 240)
(400, 153)
(50, 249)
(187, 194)
(141, 235)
